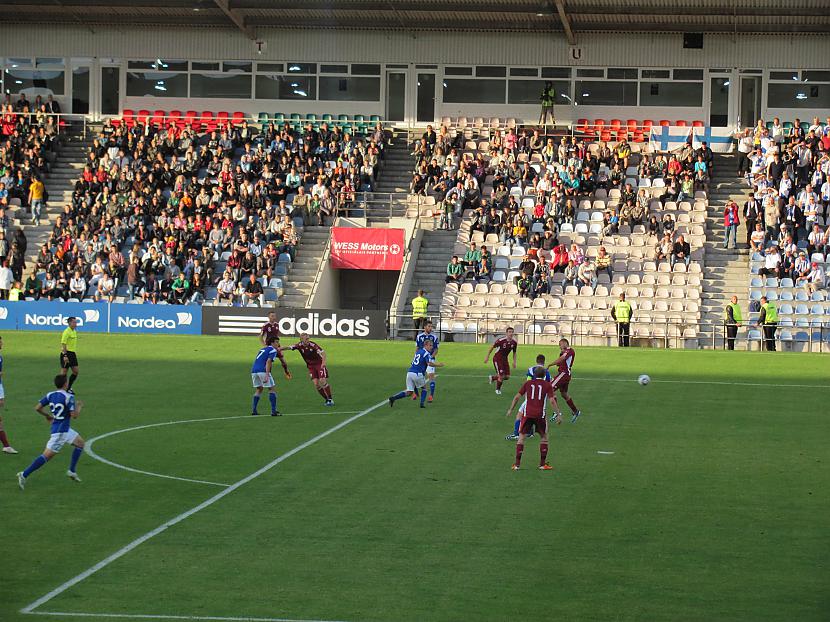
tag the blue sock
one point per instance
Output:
(398, 396)
(255, 404)
(272, 397)
(76, 455)
(516, 427)
(432, 387)
(423, 396)
(36, 464)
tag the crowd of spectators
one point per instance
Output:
(178, 201)
(788, 168)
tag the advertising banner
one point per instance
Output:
(357, 248)
(168, 319)
(318, 323)
(45, 315)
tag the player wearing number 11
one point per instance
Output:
(62, 409)
(538, 392)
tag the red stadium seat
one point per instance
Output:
(175, 117)
(599, 125)
(207, 120)
(158, 118)
(222, 119)
(605, 135)
(129, 117)
(665, 123)
(616, 124)
(581, 125)
(647, 125)
(192, 117)
(632, 124)
(681, 123)
(639, 136)
(698, 124)
(142, 117)
(622, 134)
(238, 118)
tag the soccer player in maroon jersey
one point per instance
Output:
(270, 328)
(562, 379)
(315, 359)
(503, 347)
(537, 392)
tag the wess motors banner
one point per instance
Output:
(367, 249)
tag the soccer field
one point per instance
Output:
(702, 496)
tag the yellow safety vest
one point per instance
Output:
(771, 313)
(419, 306)
(622, 311)
(736, 312)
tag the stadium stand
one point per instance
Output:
(185, 207)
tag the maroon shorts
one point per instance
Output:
(529, 424)
(318, 372)
(502, 368)
(560, 382)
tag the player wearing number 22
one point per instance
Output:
(261, 375)
(537, 392)
(62, 409)
(416, 379)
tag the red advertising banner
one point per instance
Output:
(354, 248)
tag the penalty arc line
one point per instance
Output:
(124, 467)
(185, 515)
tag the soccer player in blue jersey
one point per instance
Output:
(261, 374)
(420, 340)
(416, 376)
(62, 409)
(531, 374)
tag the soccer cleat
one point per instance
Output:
(414, 396)
(515, 467)
(21, 480)
(329, 403)
(498, 391)
(545, 467)
(489, 379)
(530, 435)
(576, 416)
(511, 437)
(276, 413)
(423, 406)
(9, 450)
(429, 399)
(391, 402)
(556, 418)
(254, 414)
(73, 476)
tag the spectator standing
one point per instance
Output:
(733, 322)
(768, 320)
(419, 310)
(731, 220)
(37, 194)
(622, 314)
(6, 280)
(752, 213)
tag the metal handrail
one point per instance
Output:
(84, 119)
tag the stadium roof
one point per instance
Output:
(569, 17)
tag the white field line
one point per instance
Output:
(185, 515)
(150, 616)
(633, 380)
(96, 456)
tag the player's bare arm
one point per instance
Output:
(322, 354)
(515, 401)
(39, 408)
(487, 358)
(284, 365)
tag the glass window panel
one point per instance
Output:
(656, 73)
(472, 91)
(530, 72)
(363, 69)
(603, 93)
(560, 72)
(156, 84)
(425, 66)
(688, 74)
(204, 66)
(491, 72)
(49, 62)
(334, 69)
(285, 87)
(622, 74)
(237, 86)
(815, 76)
(14, 63)
(671, 94)
(350, 89)
(798, 95)
(233, 66)
(783, 75)
(271, 67)
(458, 71)
(302, 68)
(530, 91)
(587, 73)
(158, 64)
(16, 80)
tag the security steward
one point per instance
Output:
(768, 320)
(419, 311)
(622, 314)
(733, 321)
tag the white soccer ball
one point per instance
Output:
(643, 379)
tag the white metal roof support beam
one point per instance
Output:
(236, 18)
(566, 23)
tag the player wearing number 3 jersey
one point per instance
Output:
(537, 393)
(62, 409)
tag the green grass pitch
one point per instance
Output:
(713, 506)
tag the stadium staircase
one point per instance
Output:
(430, 272)
(60, 183)
(299, 280)
(725, 270)
(391, 197)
